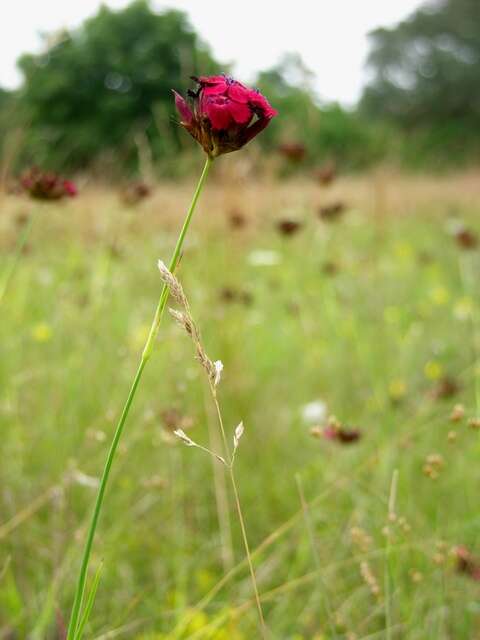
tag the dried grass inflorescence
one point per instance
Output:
(474, 423)
(370, 579)
(458, 413)
(184, 319)
(361, 539)
(434, 464)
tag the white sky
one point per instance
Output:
(331, 36)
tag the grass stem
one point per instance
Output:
(239, 513)
(12, 267)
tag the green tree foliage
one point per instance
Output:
(426, 74)
(329, 132)
(7, 110)
(93, 89)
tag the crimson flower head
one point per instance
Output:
(223, 114)
(42, 185)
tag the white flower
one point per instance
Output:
(264, 258)
(314, 412)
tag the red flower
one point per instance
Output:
(224, 114)
(47, 186)
(70, 188)
(292, 151)
(342, 434)
(135, 192)
(466, 563)
(336, 432)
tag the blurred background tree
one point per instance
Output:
(329, 132)
(93, 89)
(100, 95)
(426, 74)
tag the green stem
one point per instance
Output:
(22, 241)
(80, 590)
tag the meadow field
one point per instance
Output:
(362, 526)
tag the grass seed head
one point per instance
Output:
(176, 289)
(474, 423)
(458, 413)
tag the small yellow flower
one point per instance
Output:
(433, 370)
(198, 621)
(403, 251)
(463, 308)
(397, 390)
(439, 295)
(41, 332)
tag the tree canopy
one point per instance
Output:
(96, 92)
(426, 71)
(92, 89)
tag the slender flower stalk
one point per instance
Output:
(75, 617)
(12, 267)
(223, 117)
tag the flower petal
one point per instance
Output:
(241, 113)
(261, 103)
(210, 80)
(183, 109)
(213, 85)
(238, 92)
(218, 113)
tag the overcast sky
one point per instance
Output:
(331, 36)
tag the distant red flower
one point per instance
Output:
(292, 151)
(330, 268)
(288, 227)
(135, 192)
(445, 388)
(223, 114)
(325, 175)
(342, 434)
(466, 239)
(467, 564)
(336, 431)
(42, 185)
(228, 295)
(331, 212)
(237, 219)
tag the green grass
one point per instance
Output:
(370, 341)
